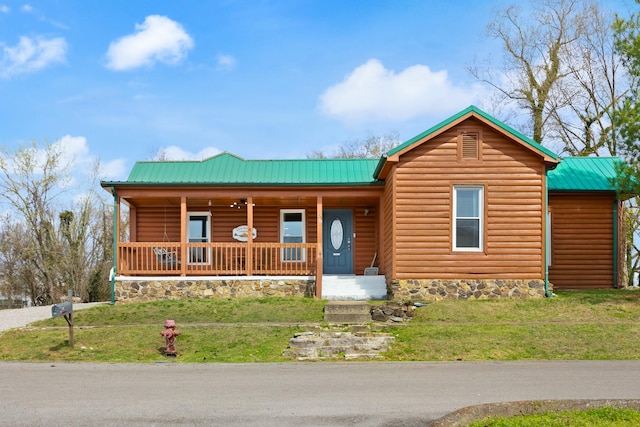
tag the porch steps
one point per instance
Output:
(354, 287)
(343, 312)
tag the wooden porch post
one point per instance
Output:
(380, 235)
(319, 257)
(249, 254)
(183, 235)
(116, 233)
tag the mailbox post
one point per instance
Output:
(65, 309)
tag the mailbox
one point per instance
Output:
(61, 309)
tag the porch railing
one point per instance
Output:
(217, 259)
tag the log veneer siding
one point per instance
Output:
(582, 241)
(389, 228)
(152, 221)
(513, 182)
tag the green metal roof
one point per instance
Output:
(455, 117)
(225, 169)
(571, 174)
(583, 174)
(228, 169)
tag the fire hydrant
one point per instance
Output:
(170, 335)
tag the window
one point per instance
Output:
(292, 230)
(468, 203)
(198, 232)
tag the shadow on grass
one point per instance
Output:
(60, 346)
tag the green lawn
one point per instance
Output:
(601, 417)
(574, 325)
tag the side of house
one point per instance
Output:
(469, 211)
(587, 225)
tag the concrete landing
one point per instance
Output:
(352, 287)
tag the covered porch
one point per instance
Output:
(222, 232)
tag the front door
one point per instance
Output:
(198, 232)
(337, 243)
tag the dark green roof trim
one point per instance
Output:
(584, 174)
(107, 184)
(458, 116)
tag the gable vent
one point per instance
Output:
(470, 145)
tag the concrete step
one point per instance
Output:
(322, 345)
(344, 312)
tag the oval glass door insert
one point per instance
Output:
(337, 234)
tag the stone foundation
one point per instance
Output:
(393, 311)
(436, 290)
(147, 289)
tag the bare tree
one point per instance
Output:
(595, 84)
(62, 247)
(30, 181)
(371, 147)
(12, 262)
(85, 238)
(97, 285)
(535, 49)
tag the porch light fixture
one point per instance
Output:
(366, 211)
(240, 203)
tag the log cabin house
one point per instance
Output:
(470, 208)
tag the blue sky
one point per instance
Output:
(119, 80)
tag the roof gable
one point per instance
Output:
(471, 111)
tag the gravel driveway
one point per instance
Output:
(20, 317)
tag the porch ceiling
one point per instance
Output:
(284, 201)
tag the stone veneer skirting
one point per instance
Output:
(137, 289)
(437, 289)
(140, 289)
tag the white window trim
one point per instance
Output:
(207, 237)
(480, 248)
(303, 257)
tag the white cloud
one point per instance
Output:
(76, 153)
(31, 55)
(74, 149)
(226, 62)
(176, 153)
(27, 8)
(4, 8)
(114, 169)
(157, 39)
(372, 93)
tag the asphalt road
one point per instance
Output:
(291, 394)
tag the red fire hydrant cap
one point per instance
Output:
(170, 324)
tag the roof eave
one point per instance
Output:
(108, 185)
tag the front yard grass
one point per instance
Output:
(572, 326)
(600, 417)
